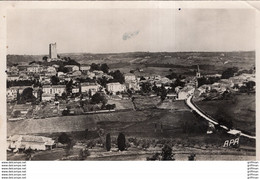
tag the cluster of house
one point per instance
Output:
(43, 75)
(231, 84)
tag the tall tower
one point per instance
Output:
(53, 51)
(197, 77)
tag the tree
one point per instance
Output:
(121, 142)
(230, 72)
(142, 78)
(108, 142)
(192, 157)
(172, 76)
(130, 92)
(250, 85)
(63, 69)
(98, 98)
(103, 81)
(27, 95)
(69, 147)
(69, 87)
(18, 96)
(32, 62)
(16, 114)
(104, 67)
(45, 58)
(64, 138)
(155, 88)
(28, 153)
(94, 66)
(178, 82)
(163, 93)
(55, 80)
(117, 76)
(64, 96)
(167, 153)
(146, 87)
(56, 97)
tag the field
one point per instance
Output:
(241, 111)
(69, 123)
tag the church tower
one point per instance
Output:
(197, 76)
(198, 72)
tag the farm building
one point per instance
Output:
(21, 142)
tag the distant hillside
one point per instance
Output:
(217, 61)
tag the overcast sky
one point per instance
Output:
(128, 30)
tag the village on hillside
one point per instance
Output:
(59, 87)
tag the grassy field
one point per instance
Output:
(70, 123)
(241, 110)
(145, 102)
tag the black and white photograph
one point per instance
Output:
(131, 84)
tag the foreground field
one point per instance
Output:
(149, 126)
(241, 111)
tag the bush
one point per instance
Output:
(121, 142)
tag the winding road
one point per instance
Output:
(211, 120)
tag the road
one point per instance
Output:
(211, 120)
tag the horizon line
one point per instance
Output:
(141, 52)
